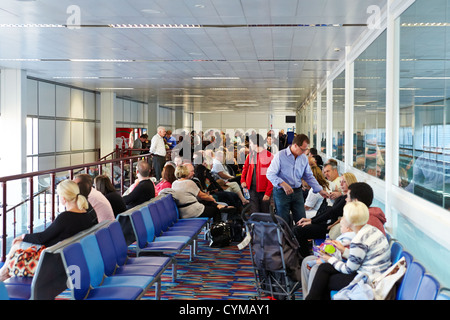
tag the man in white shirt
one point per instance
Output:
(158, 149)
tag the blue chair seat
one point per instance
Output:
(18, 291)
(19, 281)
(96, 267)
(142, 282)
(114, 293)
(73, 255)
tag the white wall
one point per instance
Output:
(259, 121)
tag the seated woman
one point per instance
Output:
(314, 200)
(76, 218)
(104, 185)
(318, 226)
(369, 253)
(168, 177)
(311, 263)
(186, 196)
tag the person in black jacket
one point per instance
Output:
(75, 219)
(145, 189)
(318, 226)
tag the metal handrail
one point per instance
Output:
(52, 172)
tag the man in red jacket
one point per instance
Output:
(254, 175)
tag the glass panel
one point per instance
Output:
(370, 109)
(424, 136)
(339, 116)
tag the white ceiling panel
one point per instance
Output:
(264, 43)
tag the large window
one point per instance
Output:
(424, 136)
(370, 109)
(338, 116)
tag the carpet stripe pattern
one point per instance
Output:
(214, 274)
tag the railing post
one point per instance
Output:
(53, 191)
(122, 170)
(131, 172)
(4, 221)
(31, 204)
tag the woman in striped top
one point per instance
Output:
(369, 253)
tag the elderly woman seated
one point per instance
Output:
(369, 254)
(187, 195)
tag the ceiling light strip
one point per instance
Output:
(155, 26)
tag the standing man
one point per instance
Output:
(286, 171)
(158, 149)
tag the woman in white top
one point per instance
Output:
(187, 195)
(314, 200)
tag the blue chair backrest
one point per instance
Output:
(78, 270)
(3, 292)
(148, 222)
(164, 215)
(408, 257)
(396, 251)
(139, 228)
(444, 294)
(94, 259)
(108, 253)
(428, 288)
(411, 281)
(171, 208)
(119, 242)
(152, 207)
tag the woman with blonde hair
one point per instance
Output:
(76, 218)
(318, 226)
(314, 200)
(187, 196)
(369, 254)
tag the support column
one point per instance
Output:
(329, 153)
(392, 107)
(152, 117)
(319, 120)
(179, 117)
(107, 122)
(349, 108)
(13, 114)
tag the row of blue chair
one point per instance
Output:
(416, 284)
(100, 257)
(159, 229)
(99, 268)
(50, 277)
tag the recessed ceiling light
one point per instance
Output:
(155, 26)
(284, 89)
(215, 78)
(229, 89)
(115, 88)
(21, 60)
(31, 25)
(100, 60)
(150, 11)
(188, 96)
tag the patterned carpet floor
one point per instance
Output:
(214, 274)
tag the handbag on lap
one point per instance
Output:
(24, 262)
